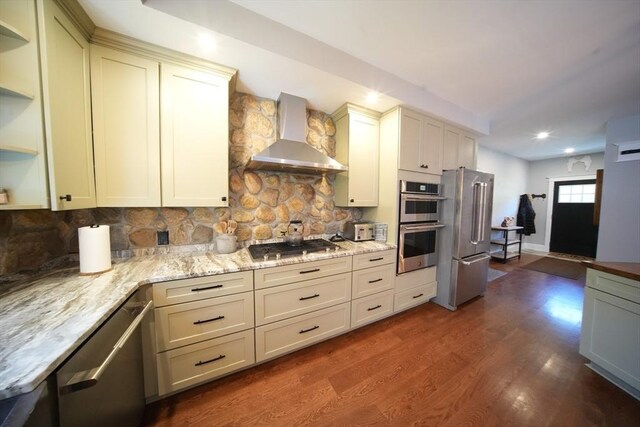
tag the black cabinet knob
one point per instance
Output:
(224, 199)
(66, 197)
(351, 200)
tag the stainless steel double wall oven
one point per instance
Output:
(419, 225)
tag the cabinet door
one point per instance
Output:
(431, 147)
(467, 152)
(610, 335)
(194, 137)
(364, 135)
(67, 109)
(411, 137)
(126, 124)
(450, 148)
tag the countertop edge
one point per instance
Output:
(629, 270)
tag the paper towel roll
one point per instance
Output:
(95, 249)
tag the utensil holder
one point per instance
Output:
(226, 243)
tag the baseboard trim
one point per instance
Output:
(535, 247)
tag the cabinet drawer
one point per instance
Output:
(415, 278)
(188, 323)
(413, 297)
(373, 259)
(614, 285)
(372, 280)
(282, 302)
(193, 364)
(369, 309)
(287, 335)
(185, 290)
(275, 276)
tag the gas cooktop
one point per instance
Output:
(271, 251)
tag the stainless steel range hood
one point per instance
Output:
(290, 152)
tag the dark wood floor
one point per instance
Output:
(509, 358)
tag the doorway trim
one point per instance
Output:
(550, 196)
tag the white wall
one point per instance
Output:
(619, 233)
(510, 181)
(540, 173)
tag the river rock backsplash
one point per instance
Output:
(261, 202)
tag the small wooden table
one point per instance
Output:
(503, 254)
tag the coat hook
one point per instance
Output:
(544, 196)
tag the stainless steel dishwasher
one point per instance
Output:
(102, 383)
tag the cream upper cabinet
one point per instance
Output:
(467, 151)
(459, 149)
(64, 54)
(126, 128)
(194, 137)
(420, 143)
(23, 161)
(357, 145)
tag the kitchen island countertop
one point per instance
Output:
(46, 317)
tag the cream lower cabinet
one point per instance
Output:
(301, 304)
(610, 336)
(414, 288)
(64, 54)
(459, 149)
(161, 126)
(372, 287)
(203, 329)
(357, 146)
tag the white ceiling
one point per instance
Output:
(506, 68)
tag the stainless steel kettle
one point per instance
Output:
(294, 236)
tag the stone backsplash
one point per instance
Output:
(261, 202)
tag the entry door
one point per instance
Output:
(572, 229)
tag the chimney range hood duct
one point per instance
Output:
(290, 152)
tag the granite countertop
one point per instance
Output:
(44, 318)
(630, 270)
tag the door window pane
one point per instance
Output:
(577, 193)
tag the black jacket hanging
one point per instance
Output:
(526, 216)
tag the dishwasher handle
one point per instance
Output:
(85, 379)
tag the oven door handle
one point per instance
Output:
(420, 197)
(420, 227)
(90, 377)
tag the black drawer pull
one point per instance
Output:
(207, 288)
(197, 322)
(304, 331)
(374, 281)
(374, 308)
(312, 296)
(222, 356)
(418, 296)
(310, 271)
(376, 259)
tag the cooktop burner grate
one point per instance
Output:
(270, 251)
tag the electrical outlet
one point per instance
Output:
(163, 237)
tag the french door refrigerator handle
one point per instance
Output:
(90, 377)
(479, 211)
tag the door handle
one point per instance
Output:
(90, 377)
(482, 258)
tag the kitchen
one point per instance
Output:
(257, 200)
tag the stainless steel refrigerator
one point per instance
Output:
(463, 259)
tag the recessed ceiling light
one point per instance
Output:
(542, 135)
(372, 97)
(569, 150)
